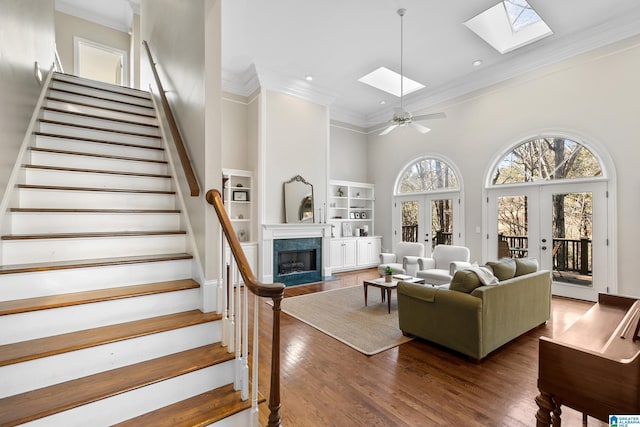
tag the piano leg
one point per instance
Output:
(548, 411)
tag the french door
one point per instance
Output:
(563, 226)
(430, 219)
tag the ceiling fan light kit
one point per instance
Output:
(400, 116)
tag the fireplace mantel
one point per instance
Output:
(271, 232)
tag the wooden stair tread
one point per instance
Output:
(200, 410)
(82, 82)
(86, 297)
(103, 156)
(108, 190)
(108, 172)
(109, 211)
(99, 262)
(35, 404)
(99, 141)
(91, 234)
(119, 101)
(96, 128)
(94, 116)
(84, 104)
(72, 341)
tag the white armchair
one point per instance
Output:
(404, 261)
(444, 262)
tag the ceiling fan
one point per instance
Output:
(400, 116)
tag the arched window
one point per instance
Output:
(425, 175)
(544, 159)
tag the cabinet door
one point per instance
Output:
(350, 250)
(368, 251)
(337, 253)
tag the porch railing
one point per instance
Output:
(410, 234)
(236, 318)
(568, 254)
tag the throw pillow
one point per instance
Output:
(526, 266)
(464, 281)
(504, 269)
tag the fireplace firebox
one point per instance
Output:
(297, 261)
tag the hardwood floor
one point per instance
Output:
(326, 383)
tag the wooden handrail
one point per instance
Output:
(175, 131)
(275, 291)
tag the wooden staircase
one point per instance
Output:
(100, 318)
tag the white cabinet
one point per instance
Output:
(343, 254)
(350, 208)
(351, 253)
(368, 251)
(238, 202)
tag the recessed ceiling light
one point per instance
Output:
(389, 81)
(308, 78)
(383, 102)
(508, 25)
(477, 63)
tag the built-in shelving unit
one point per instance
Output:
(238, 200)
(350, 210)
(351, 207)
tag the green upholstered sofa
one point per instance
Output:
(478, 322)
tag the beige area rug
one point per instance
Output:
(341, 314)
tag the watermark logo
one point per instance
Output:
(624, 420)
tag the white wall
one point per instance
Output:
(68, 26)
(235, 128)
(295, 143)
(349, 152)
(26, 36)
(185, 40)
(594, 95)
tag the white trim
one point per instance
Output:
(124, 77)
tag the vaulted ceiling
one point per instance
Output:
(275, 44)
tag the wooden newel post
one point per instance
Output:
(274, 396)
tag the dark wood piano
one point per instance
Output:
(593, 367)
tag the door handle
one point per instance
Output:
(544, 248)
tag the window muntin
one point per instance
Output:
(545, 159)
(427, 175)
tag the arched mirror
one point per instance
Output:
(298, 200)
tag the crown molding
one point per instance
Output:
(244, 83)
(91, 16)
(295, 87)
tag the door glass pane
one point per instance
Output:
(572, 224)
(513, 227)
(441, 222)
(410, 212)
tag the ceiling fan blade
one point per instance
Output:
(419, 127)
(387, 130)
(430, 116)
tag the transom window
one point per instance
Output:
(545, 159)
(427, 175)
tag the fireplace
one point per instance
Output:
(297, 261)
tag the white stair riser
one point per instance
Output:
(42, 283)
(98, 148)
(32, 198)
(101, 93)
(71, 222)
(127, 405)
(78, 97)
(241, 419)
(44, 323)
(52, 250)
(100, 123)
(62, 178)
(46, 371)
(99, 85)
(95, 111)
(96, 163)
(98, 134)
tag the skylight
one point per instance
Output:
(389, 81)
(509, 25)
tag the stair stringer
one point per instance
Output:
(208, 288)
(17, 174)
